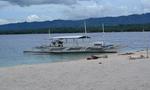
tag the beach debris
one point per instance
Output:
(100, 63)
(88, 58)
(136, 57)
(93, 57)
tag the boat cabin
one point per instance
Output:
(61, 40)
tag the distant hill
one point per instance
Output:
(91, 22)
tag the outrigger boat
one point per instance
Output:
(72, 44)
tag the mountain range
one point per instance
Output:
(91, 22)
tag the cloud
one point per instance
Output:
(38, 2)
(6, 21)
(91, 9)
(40, 10)
(3, 21)
(33, 18)
(30, 18)
(145, 4)
(3, 4)
(102, 8)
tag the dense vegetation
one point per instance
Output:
(128, 23)
(114, 28)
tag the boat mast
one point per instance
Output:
(85, 28)
(103, 28)
(49, 31)
(85, 31)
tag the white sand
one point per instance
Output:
(115, 73)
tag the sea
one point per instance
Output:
(12, 46)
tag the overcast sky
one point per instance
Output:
(40, 10)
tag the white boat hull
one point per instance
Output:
(73, 50)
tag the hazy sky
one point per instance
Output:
(40, 10)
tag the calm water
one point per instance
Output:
(12, 47)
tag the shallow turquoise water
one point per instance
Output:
(12, 46)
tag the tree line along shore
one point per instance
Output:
(90, 29)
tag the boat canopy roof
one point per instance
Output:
(70, 37)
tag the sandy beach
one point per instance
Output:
(116, 72)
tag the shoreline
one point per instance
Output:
(117, 72)
(68, 33)
(81, 59)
